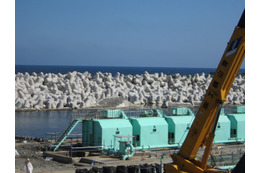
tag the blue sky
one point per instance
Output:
(124, 33)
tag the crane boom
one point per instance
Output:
(202, 131)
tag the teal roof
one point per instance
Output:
(147, 121)
(237, 117)
(238, 109)
(112, 123)
(223, 118)
(180, 119)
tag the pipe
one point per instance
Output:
(111, 151)
(125, 157)
(160, 146)
(132, 149)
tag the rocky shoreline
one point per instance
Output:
(76, 90)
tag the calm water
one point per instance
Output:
(37, 124)
(123, 70)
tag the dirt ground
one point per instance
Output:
(34, 151)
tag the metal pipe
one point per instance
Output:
(131, 152)
(153, 147)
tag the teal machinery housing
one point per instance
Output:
(179, 123)
(149, 129)
(119, 134)
(105, 132)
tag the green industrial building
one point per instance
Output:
(179, 123)
(106, 132)
(237, 119)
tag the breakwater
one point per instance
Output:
(76, 90)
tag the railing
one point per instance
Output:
(225, 156)
(98, 114)
(86, 115)
(131, 113)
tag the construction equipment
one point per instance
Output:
(202, 131)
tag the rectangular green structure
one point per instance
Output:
(181, 111)
(106, 132)
(178, 127)
(87, 132)
(222, 133)
(113, 114)
(149, 131)
(237, 119)
(237, 126)
(238, 109)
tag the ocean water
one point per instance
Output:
(39, 123)
(113, 70)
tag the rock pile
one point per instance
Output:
(82, 90)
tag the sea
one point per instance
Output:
(113, 69)
(43, 123)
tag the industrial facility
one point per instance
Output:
(120, 132)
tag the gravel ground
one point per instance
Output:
(34, 151)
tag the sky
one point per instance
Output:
(143, 33)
